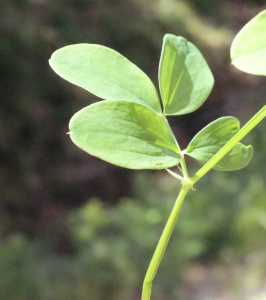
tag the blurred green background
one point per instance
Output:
(73, 227)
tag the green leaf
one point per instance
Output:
(126, 134)
(185, 79)
(238, 158)
(104, 73)
(248, 50)
(212, 138)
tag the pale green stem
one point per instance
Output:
(161, 246)
(184, 167)
(182, 160)
(175, 175)
(187, 184)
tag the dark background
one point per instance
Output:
(66, 217)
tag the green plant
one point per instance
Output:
(130, 129)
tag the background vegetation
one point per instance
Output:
(73, 227)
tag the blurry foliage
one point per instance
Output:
(40, 168)
(41, 171)
(43, 176)
(206, 6)
(112, 245)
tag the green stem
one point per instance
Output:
(184, 167)
(254, 121)
(187, 184)
(175, 175)
(161, 246)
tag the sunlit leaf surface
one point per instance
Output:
(184, 77)
(104, 73)
(126, 134)
(248, 50)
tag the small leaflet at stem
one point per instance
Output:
(212, 138)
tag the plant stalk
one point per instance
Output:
(161, 246)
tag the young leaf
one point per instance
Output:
(185, 79)
(104, 73)
(212, 138)
(126, 134)
(248, 50)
